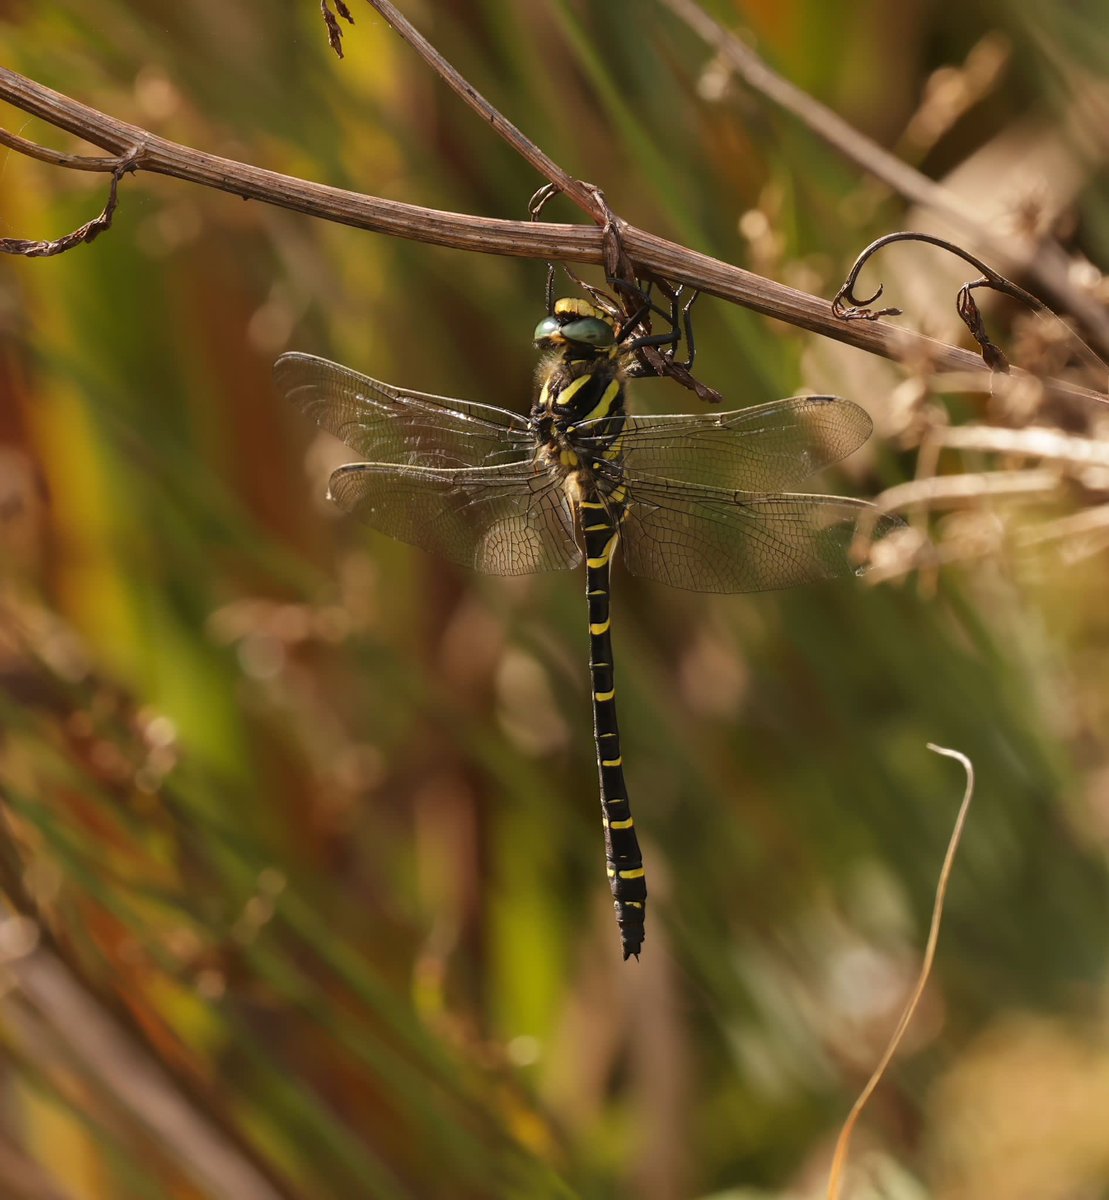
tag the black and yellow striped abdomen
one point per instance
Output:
(600, 531)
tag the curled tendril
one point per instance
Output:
(849, 307)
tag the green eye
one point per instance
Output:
(590, 330)
(546, 327)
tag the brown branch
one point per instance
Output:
(520, 239)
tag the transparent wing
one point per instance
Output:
(761, 449)
(503, 521)
(392, 425)
(708, 540)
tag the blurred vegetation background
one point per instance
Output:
(312, 818)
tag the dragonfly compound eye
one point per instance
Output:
(577, 322)
(547, 327)
(592, 331)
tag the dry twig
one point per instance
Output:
(521, 239)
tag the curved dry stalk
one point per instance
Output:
(89, 232)
(876, 160)
(146, 151)
(843, 1142)
(1044, 261)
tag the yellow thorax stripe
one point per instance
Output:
(604, 405)
(571, 390)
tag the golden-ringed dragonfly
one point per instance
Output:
(692, 501)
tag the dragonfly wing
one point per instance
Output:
(503, 521)
(393, 425)
(709, 540)
(767, 448)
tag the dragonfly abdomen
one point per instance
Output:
(624, 860)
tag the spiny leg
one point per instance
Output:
(680, 320)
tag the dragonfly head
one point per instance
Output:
(576, 323)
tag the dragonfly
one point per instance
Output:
(694, 501)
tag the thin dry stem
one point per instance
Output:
(843, 1143)
(943, 490)
(1076, 525)
(1033, 441)
(582, 194)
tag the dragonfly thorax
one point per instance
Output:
(579, 412)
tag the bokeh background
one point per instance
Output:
(313, 817)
